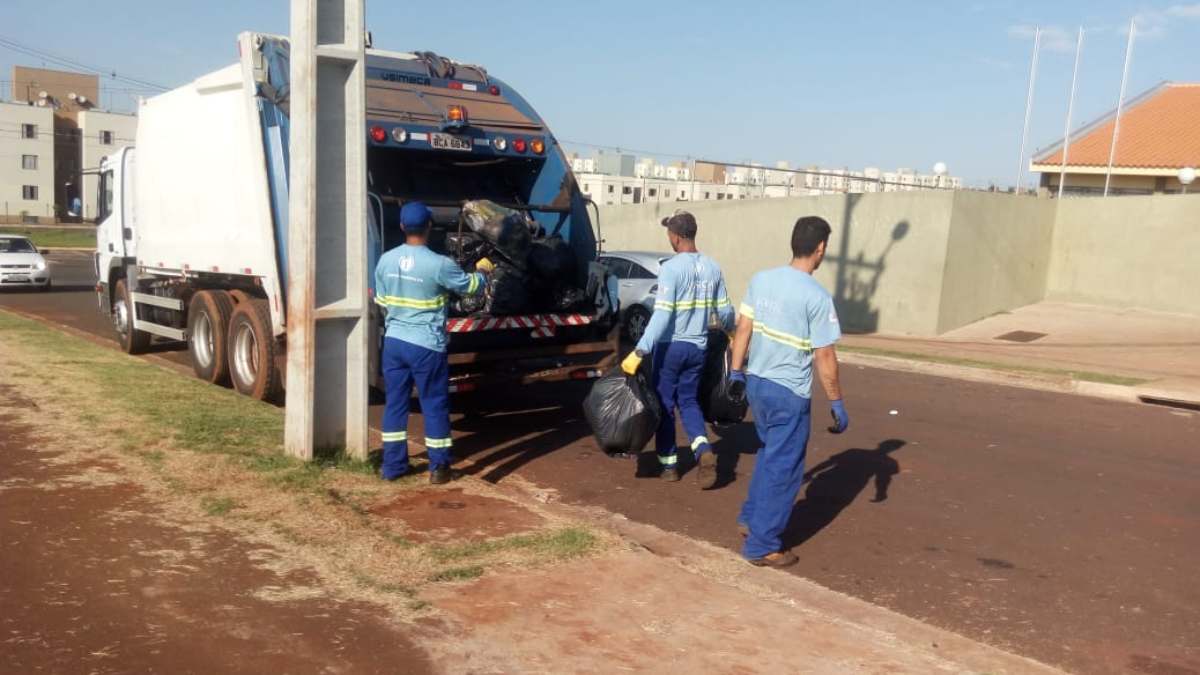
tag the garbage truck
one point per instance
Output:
(191, 242)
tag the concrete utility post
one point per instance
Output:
(327, 318)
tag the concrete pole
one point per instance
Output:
(1037, 44)
(1062, 172)
(327, 318)
(1112, 148)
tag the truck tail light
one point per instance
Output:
(456, 114)
(494, 90)
(455, 84)
(378, 134)
(500, 143)
(400, 134)
(538, 146)
(518, 144)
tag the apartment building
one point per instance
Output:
(101, 134)
(26, 163)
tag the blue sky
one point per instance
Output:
(836, 84)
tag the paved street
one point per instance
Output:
(1059, 527)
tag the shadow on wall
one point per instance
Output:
(857, 278)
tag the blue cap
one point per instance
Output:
(415, 216)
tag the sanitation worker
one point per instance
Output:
(690, 289)
(788, 322)
(411, 283)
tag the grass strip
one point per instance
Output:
(1082, 375)
(55, 237)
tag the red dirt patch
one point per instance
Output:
(438, 515)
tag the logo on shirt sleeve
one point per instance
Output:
(833, 316)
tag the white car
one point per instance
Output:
(638, 275)
(21, 264)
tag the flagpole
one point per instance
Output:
(1112, 148)
(1037, 43)
(1062, 173)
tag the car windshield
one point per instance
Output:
(16, 245)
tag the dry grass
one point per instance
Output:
(212, 458)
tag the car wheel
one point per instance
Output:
(132, 341)
(209, 313)
(636, 319)
(253, 350)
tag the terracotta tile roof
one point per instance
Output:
(1160, 129)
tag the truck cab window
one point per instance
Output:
(104, 198)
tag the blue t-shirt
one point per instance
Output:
(690, 288)
(412, 283)
(792, 316)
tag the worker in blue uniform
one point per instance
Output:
(690, 289)
(411, 284)
(788, 323)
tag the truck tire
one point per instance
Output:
(208, 318)
(132, 341)
(252, 350)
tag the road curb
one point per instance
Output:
(1056, 384)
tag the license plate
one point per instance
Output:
(16, 277)
(449, 142)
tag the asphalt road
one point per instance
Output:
(1063, 528)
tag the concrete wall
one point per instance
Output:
(1139, 252)
(886, 257)
(997, 257)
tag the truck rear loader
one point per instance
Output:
(192, 234)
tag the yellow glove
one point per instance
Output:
(486, 266)
(631, 363)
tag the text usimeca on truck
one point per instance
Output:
(192, 235)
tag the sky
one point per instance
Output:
(887, 84)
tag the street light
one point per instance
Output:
(1186, 175)
(939, 170)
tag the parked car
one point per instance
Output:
(638, 275)
(21, 264)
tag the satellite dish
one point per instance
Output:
(43, 94)
(41, 103)
(73, 96)
(83, 100)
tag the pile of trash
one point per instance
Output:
(534, 272)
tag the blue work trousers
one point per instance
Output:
(782, 420)
(677, 370)
(406, 364)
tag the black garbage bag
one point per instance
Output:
(623, 411)
(465, 247)
(509, 231)
(718, 402)
(552, 260)
(507, 292)
(569, 299)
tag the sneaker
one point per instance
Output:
(706, 471)
(439, 476)
(670, 474)
(776, 559)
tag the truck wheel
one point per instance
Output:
(253, 350)
(132, 341)
(208, 334)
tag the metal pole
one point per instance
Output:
(1062, 172)
(1112, 149)
(1037, 43)
(328, 325)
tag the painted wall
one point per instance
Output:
(1128, 252)
(997, 257)
(885, 261)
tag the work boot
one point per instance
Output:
(439, 476)
(777, 559)
(706, 471)
(670, 474)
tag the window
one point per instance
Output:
(708, 195)
(29, 192)
(618, 267)
(667, 192)
(626, 190)
(586, 189)
(29, 162)
(636, 271)
(106, 138)
(28, 131)
(653, 192)
(106, 195)
(610, 189)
